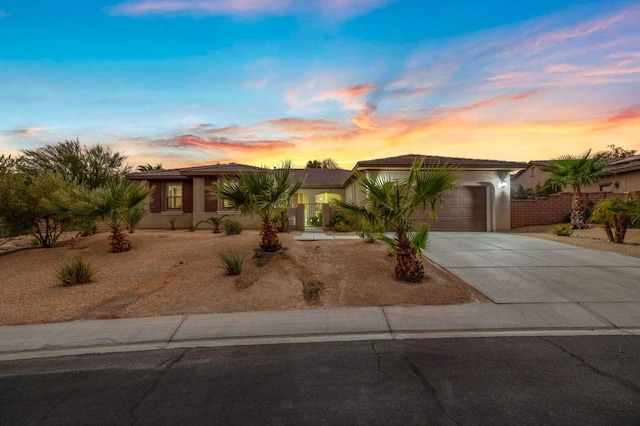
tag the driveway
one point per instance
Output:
(511, 268)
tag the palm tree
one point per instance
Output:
(577, 171)
(263, 193)
(113, 204)
(149, 167)
(616, 216)
(391, 204)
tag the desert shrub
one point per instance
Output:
(563, 230)
(282, 220)
(342, 227)
(78, 271)
(316, 220)
(337, 217)
(232, 227)
(231, 261)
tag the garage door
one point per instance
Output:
(464, 209)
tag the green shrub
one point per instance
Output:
(282, 220)
(316, 220)
(232, 227)
(337, 217)
(342, 227)
(231, 261)
(563, 230)
(78, 271)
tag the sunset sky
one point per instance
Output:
(192, 82)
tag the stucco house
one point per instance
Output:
(624, 177)
(481, 202)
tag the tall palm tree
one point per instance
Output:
(113, 204)
(391, 204)
(149, 167)
(578, 171)
(262, 193)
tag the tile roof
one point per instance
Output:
(213, 169)
(406, 160)
(321, 177)
(632, 163)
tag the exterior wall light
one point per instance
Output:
(503, 175)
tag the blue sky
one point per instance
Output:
(185, 82)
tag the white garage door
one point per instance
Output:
(464, 209)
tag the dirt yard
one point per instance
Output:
(594, 238)
(179, 272)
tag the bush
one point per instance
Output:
(342, 227)
(337, 217)
(232, 227)
(316, 220)
(563, 230)
(232, 262)
(77, 271)
(282, 220)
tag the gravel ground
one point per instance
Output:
(594, 238)
(178, 272)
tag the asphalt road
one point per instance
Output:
(507, 380)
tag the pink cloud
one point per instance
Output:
(623, 115)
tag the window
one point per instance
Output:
(173, 200)
(227, 205)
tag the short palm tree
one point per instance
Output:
(391, 204)
(113, 204)
(616, 215)
(577, 171)
(263, 193)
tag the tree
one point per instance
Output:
(89, 166)
(149, 168)
(112, 203)
(617, 153)
(31, 204)
(577, 171)
(616, 215)
(327, 163)
(263, 193)
(391, 203)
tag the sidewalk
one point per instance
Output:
(318, 325)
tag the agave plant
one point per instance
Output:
(391, 204)
(263, 193)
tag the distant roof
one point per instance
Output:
(183, 173)
(542, 163)
(406, 160)
(626, 164)
(321, 178)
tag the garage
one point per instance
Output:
(464, 209)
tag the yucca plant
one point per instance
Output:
(78, 271)
(261, 192)
(231, 261)
(391, 203)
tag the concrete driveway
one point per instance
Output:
(511, 268)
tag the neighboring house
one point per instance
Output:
(531, 176)
(481, 202)
(625, 177)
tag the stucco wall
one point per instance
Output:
(498, 207)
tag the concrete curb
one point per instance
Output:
(318, 325)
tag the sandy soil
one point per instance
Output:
(594, 238)
(169, 273)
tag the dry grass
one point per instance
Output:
(178, 272)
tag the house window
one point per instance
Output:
(173, 200)
(226, 205)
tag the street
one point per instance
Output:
(503, 380)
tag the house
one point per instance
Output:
(479, 203)
(624, 177)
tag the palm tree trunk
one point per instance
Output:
(269, 234)
(118, 241)
(621, 224)
(408, 266)
(607, 229)
(577, 209)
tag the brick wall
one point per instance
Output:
(551, 209)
